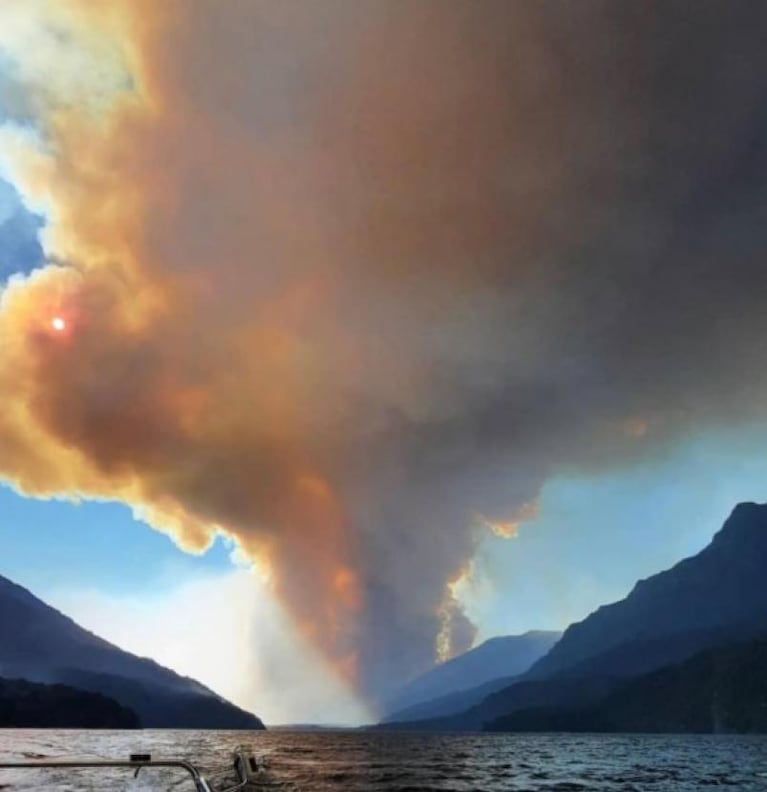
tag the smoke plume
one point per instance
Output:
(348, 281)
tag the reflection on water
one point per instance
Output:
(362, 762)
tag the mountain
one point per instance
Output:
(712, 599)
(28, 705)
(40, 644)
(449, 704)
(501, 657)
(521, 695)
(715, 596)
(720, 690)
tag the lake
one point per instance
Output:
(379, 762)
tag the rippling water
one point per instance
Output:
(357, 761)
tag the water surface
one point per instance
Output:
(365, 762)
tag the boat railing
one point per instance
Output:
(138, 762)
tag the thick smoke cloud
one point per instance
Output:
(349, 281)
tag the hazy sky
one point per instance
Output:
(357, 332)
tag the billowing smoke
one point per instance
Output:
(348, 281)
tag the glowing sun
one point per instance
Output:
(58, 324)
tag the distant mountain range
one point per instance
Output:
(453, 685)
(39, 644)
(712, 600)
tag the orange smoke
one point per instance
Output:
(247, 213)
(123, 378)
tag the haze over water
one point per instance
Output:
(363, 762)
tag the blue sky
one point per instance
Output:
(20, 249)
(50, 545)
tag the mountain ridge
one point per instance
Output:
(712, 599)
(43, 645)
(669, 602)
(502, 656)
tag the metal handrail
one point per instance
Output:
(199, 780)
